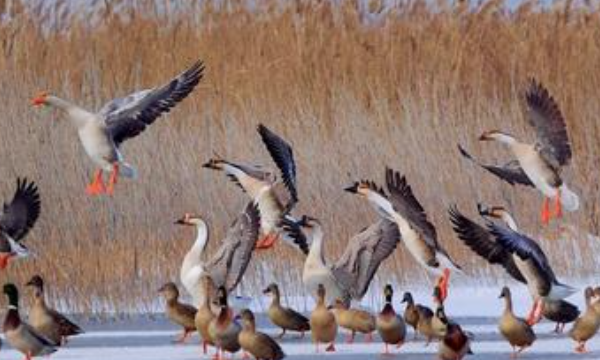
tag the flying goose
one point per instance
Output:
(177, 312)
(275, 198)
(417, 232)
(542, 162)
(228, 264)
(520, 256)
(102, 133)
(349, 278)
(16, 219)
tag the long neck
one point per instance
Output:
(508, 303)
(316, 248)
(199, 245)
(509, 220)
(505, 139)
(276, 298)
(77, 115)
(39, 296)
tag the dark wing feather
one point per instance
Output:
(544, 115)
(294, 231)
(560, 311)
(127, 117)
(300, 321)
(19, 216)
(67, 327)
(481, 242)
(283, 156)
(511, 172)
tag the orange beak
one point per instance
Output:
(40, 99)
(443, 282)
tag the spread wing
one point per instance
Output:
(293, 235)
(230, 262)
(127, 117)
(511, 172)
(543, 114)
(19, 216)
(481, 242)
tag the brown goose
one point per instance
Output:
(102, 133)
(322, 322)
(46, 321)
(283, 317)
(390, 326)
(542, 162)
(258, 344)
(515, 330)
(16, 219)
(179, 313)
(205, 313)
(588, 324)
(223, 329)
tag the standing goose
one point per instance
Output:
(542, 162)
(46, 321)
(520, 256)
(349, 278)
(285, 318)
(322, 322)
(515, 330)
(18, 333)
(102, 133)
(258, 344)
(417, 232)
(588, 324)
(179, 313)
(16, 219)
(223, 329)
(265, 189)
(390, 326)
(229, 263)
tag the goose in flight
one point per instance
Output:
(103, 133)
(16, 219)
(418, 234)
(229, 263)
(538, 165)
(275, 198)
(521, 256)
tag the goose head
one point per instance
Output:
(498, 212)
(497, 135)
(190, 220)
(363, 188)
(40, 99)
(215, 164)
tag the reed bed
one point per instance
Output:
(354, 88)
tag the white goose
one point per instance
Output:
(102, 133)
(229, 263)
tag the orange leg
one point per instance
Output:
(114, 175)
(399, 345)
(28, 356)
(546, 211)
(580, 349)
(442, 283)
(267, 241)
(97, 186)
(330, 348)
(217, 355)
(386, 350)
(558, 206)
(245, 356)
(536, 312)
(183, 337)
(4, 258)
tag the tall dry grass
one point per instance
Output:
(353, 91)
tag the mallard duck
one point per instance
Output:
(411, 311)
(515, 330)
(538, 165)
(587, 325)
(258, 344)
(354, 320)
(223, 329)
(205, 313)
(16, 219)
(455, 343)
(561, 312)
(266, 190)
(520, 256)
(417, 232)
(390, 326)
(46, 321)
(438, 325)
(322, 322)
(102, 133)
(177, 312)
(21, 335)
(283, 317)
(349, 278)
(229, 263)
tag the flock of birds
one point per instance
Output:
(269, 217)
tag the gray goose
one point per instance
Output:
(16, 219)
(538, 165)
(102, 133)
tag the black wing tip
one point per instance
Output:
(464, 152)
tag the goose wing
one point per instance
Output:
(19, 216)
(127, 117)
(544, 115)
(292, 232)
(511, 172)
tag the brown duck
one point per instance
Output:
(322, 322)
(177, 312)
(223, 329)
(515, 330)
(455, 343)
(205, 313)
(354, 320)
(258, 344)
(390, 326)
(588, 324)
(411, 312)
(283, 317)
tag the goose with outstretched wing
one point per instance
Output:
(102, 133)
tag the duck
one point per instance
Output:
(411, 311)
(455, 343)
(354, 320)
(520, 256)
(17, 218)
(515, 330)
(439, 325)
(560, 312)
(284, 317)
(258, 344)
(418, 234)
(349, 278)
(323, 324)
(223, 329)
(19, 334)
(425, 325)
(205, 313)
(46, 321)
(587, 325)
(542, 163)
(228, 264)
(102, 133)
(390, 326)
(275, 198)
(179, 313)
